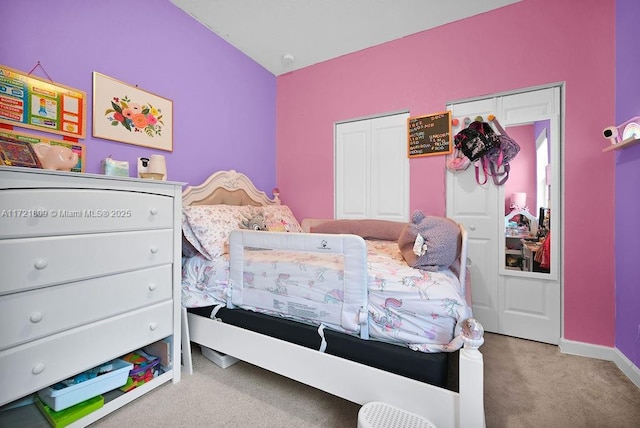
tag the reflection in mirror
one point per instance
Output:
(527, 200)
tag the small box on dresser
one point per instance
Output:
(91, 272)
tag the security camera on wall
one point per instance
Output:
(611, 133)
(629, 130)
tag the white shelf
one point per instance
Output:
(29, 415)
(621, 145)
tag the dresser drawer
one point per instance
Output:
(33, 366)
(37, 313)
(36, 262)
(46, 212)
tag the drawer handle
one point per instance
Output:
(472, 227)
(38, 368)
(35, 317)
(40, 264)
(153, 211)
(152, 286)
(153, 326)
(154, 249)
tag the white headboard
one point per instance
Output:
(227, 187)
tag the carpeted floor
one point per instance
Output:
(527, 384)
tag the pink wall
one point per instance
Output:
(529, 43)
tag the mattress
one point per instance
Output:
(438, 369)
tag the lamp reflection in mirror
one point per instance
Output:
(518, 201)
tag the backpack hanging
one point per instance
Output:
(476, 140)
(500, 155)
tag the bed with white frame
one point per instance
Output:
(353, 381)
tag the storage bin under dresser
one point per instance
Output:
(90, 272)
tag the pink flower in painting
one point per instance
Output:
(127, 112)
(135, 117)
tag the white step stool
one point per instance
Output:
(382, 415)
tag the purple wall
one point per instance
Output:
(224, 102)
(627, 176)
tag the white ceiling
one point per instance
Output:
(312, 31)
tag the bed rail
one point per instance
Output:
(350, 314)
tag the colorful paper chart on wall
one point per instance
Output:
(76, 147)
(30, 102)
(429, 135)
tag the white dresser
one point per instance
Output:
(89, 271)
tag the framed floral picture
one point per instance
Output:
(18, 153)
(127, 114)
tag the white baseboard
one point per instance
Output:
(602, 353)
(627, 367)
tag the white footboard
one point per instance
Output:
(353, 381)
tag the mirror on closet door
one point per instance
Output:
(527, 199)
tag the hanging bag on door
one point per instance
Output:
(457, 162)
(476, 140)
(498, 158)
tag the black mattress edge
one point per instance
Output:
(438, 369)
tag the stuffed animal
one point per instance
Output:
(256, 222)
(429, 243)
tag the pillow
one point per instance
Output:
(384, 230)
(207, 227)
(279, 218)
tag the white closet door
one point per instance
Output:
(530, 304)
(476, 207)
(372, 169)
(352, 169)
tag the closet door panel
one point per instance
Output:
(372, 169)
(352, 170)
(389, 169)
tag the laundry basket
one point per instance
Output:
(382, 415)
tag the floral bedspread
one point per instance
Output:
(406, 306)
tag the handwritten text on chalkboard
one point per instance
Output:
(429, 135)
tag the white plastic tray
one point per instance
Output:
(60, 399)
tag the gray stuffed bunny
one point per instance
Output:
(429, 243)
(256, 222)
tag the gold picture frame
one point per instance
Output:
(128, 114)
(34, 103)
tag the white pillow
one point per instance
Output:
(279, 218)
(207, 227)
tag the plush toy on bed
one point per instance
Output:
(428, 242)
(256, 222)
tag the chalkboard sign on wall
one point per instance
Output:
(429, 135)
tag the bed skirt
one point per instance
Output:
(438, 369)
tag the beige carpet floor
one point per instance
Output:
(527, 384)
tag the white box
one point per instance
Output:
(222, 360)
(60, 399)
